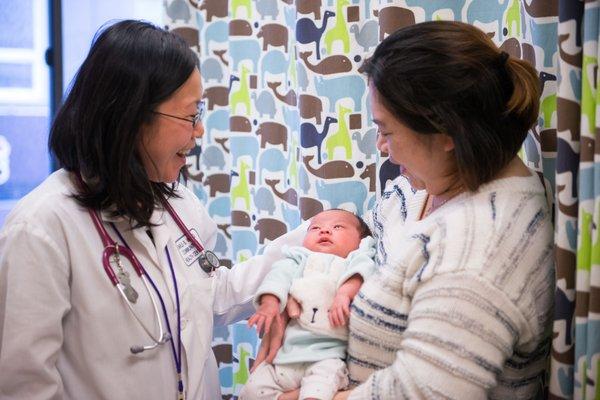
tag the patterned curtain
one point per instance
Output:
(289, 133)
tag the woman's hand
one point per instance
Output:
(271, 341)
(342, 395)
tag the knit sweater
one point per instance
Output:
(461, 305)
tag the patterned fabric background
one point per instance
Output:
(289, 133)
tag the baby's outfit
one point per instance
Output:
(313, 351)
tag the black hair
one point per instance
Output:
(132, 67)
(449, 77)
(363, 228)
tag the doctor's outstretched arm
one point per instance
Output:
(236, 287)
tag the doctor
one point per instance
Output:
(108, 289)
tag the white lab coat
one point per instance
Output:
(65, 332)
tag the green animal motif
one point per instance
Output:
(548, 107)
(242, 189)
(340, 30)
(242, 95)
(240, 377)
(341, 138)
(584, 249)
(588, 101)
(235, 4)
(513, 17)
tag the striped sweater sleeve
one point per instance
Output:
(460, 331)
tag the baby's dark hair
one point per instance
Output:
(363, 228)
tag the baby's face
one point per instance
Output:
(333, 232)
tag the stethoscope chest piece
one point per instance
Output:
(209, 261)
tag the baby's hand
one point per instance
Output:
(294, 309)
(266, 313)
(340, 309)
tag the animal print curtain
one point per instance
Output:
(289, 133)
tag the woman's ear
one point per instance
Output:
(447, 142)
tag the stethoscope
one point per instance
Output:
(208, 262)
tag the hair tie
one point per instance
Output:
(503, 57)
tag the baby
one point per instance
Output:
(322, 277)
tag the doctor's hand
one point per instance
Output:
(267, 312)
(271, 342)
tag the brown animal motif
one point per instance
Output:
(393, 18)
(370, 173)
(541, 8)
(214, 8)
(310, 107)
(189, 35)
(240, 218)
(218, 183)
(309, 207)
(275, 35)
(270, 229)
(222, 142)
(220, 55)
(239, 27)
(331, 65)
(289, 196)
(217, 96)
(309, 6)
(289, 98)
(225, 229)
(239, 123)
(331, 169)
(273, 133)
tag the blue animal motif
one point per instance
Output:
(274, 62)
(486, 11)
(216, 32)
(531, 150)
(367, 36)
(302, 76)
(212, 156)
(221, 331)
(267, 8)
(290, 19)
(369, 112)
(244, 49)
(264, 201)
(291, 116)
(221, 245)
(371, 202)
(226, 376)
(211, 69)
(543, 35)
(243, 240)
(200, 193)
(242, 334)
(311, 137)
(219, 120)
(342, 87)
(178, 9)
(291, 216)
(220, 207)
(303, 180)
(272, 160)
(307, 31)
(366, 143)
(338, 193)
(244, 146)
(264, 104)
(431, 6)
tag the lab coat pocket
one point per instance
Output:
(197, 323)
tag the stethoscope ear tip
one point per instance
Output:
(136, 349)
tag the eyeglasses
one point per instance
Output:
(194, 120)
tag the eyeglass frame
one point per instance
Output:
(195, 118)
